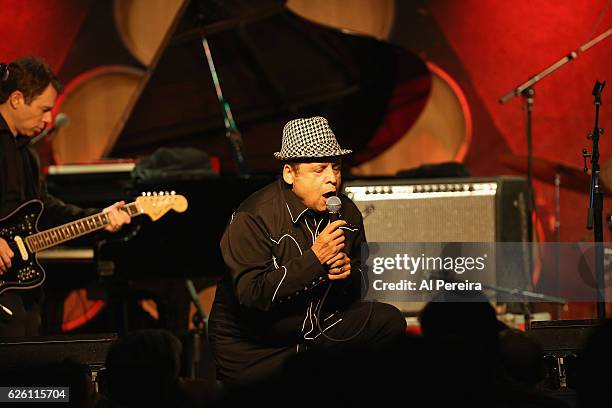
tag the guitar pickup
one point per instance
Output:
(22, 249)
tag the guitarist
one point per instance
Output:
(28, 90)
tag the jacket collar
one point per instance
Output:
(294, 205)
(20, 140)
(4, 127)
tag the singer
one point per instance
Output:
(28, 90)
(294, 278)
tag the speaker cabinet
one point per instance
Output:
(486, 210)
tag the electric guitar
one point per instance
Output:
(20, 230)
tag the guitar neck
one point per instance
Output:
(57, 235)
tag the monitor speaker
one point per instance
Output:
(485, 210)
(28, 355)
(562, 343)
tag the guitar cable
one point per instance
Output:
(318, 318)
(333, 205)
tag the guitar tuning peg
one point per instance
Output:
(143, 194)
(148, 194)
(167, 193)
(173, 192)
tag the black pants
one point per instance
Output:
(26, 319)
(375, 326)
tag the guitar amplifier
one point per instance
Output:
(483, 210)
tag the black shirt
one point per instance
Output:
(20, 181)
(275, 282)
(16, 182)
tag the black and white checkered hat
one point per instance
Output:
(309, 138)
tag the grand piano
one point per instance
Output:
(272, 66)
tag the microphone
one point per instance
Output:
(333, 205)
(61, 121)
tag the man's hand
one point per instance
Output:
(339, 267)
(117, 217)
(329, 242)
(5, 256)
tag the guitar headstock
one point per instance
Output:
(155, 204)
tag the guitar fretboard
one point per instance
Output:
(55, 236)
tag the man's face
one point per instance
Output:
(30, 119)
(313, 183)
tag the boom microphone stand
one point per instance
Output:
(527, 91)
(595, 212)
(199, 321)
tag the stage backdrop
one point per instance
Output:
(45, 28)
(487, 46)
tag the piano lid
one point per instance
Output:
(273, 66)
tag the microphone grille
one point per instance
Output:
(61, 121)
(333, 204)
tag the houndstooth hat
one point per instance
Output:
(309, 138)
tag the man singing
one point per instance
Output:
(294, 278)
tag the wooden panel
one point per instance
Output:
(96, 104)
(442, 133)
(143, 24)
(372, 17)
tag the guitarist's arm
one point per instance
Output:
(5, 256)
(58, 212)
(61, 212)
(117, 216)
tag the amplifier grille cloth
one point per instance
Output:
(444, 219)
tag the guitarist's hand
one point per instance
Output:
(5, 256)
(117, 217)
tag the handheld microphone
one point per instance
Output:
(333, 205)
(61, 121)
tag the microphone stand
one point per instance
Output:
(595, 211)
(199, 321)
(527, 92)
(208, 13)
(231, 130)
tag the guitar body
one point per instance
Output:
(22, 224)
(25, 271)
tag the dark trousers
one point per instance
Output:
(369, 325)
(26, 319)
